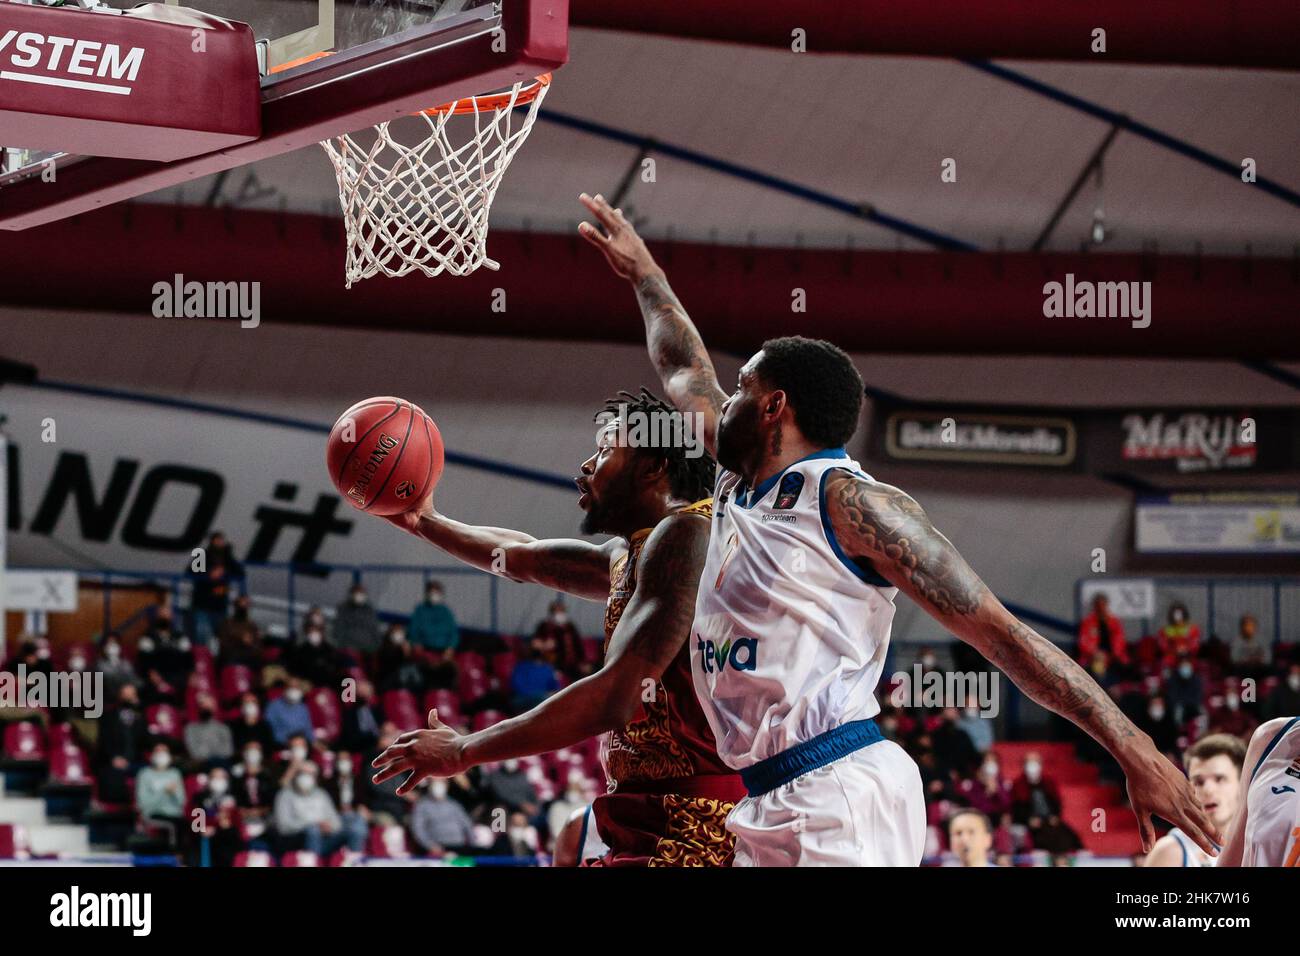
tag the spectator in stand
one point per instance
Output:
(297, 752)
(1034, 797)
(987, 792)
(360, 724)
(1056, 837)
(433, 625)
(1184, 691)
(954, 752)
(288, 714)
(313, 658)
(439, 824)
(1179, 636)
(1159, 724)
(165, 659)
(117, 670)
(214, 792)
(239, 640)
(250, 727)
(306, 818)
(508, 786)
(211, 585)
(1251, 655)
(531, 682)
(121, 746)
(160, 793)
(347, 796)
(1284, 701)
(520, 839)
(208, 741)
(396, 666)
(978, 729)
(252, 785)
(1230, 718)
(1101, 632)
(356, 625)
(970, 837)
(557, 642)
(222, 823)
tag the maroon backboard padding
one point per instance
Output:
(558, 287)
(156, 83)
(536, 39)
(1258, 34)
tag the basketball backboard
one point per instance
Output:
(328, 67)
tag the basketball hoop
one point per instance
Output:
(424, 206)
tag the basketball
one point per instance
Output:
(384, 455)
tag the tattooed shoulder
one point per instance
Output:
(884, 525)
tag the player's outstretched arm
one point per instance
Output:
(564, 564)
(675, 346)
(883, 525)
(650, 632)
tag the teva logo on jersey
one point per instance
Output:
(740, 654)
(76, 909)
(369, 465)
(62, 61)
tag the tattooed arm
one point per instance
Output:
(655, 623)
(565, 564)
(880, 524)
(675, 346)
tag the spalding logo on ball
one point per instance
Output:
(384, 455)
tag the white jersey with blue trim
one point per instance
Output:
(790, 635)
(1193, 855)
(1273, 802)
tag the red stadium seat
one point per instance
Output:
(486, 719)
(387, 843)
(446, 703)
(470, 661)
(472, 685)
(164, 720)
(69, 766)
(251, 858)
(204, 664)
(326, 718)
(503, 666)
(236, 679)
(401, 708)
(25, 741)
(300, 858)
(59, 735)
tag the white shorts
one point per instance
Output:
(865, 809)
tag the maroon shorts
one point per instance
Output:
(678, 822)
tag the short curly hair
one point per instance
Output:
(690, 477)
(824, 389)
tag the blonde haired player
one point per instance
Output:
(1214, 768)
(793, 615)
(1267, 830)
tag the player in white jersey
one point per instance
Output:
(1267, 830)
(792, 621)
(1214, 768)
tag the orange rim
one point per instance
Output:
(468, 104)
(494, 101)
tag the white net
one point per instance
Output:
(425, 206)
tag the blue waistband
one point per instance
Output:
(779, 769)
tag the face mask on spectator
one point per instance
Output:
(77, 663)
(1233, 702)
(398, 637)
(112, 652)
(438, 788)
(359, 598)
(345, 768)
(927, 661)
(315, 637)
(990, 768)
(299, 752)
(1157, 713)
(1033, 770)
(218, 786)
(1184, 671)
(293, 695)
(146, 645)
(510, 766)
(304, 782)
(1293, 681)
(435, 597)
(559, 618)
(43, 654)
(253, 757)
(249, 711)
(162, 760)
(519, 834)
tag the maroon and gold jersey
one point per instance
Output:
(669, 793)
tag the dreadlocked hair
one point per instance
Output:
(673, 437)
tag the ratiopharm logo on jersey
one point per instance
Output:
(739, 654)
(49, 60)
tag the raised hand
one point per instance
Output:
(436, 752)
(624, 250)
